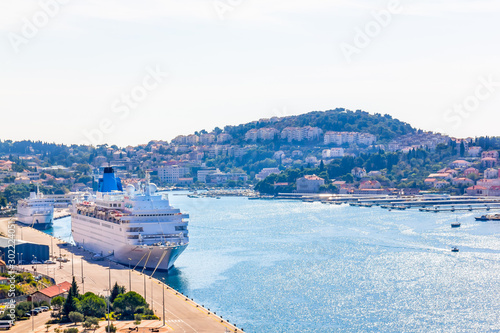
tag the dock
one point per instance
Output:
(393, 202)
(182, 314)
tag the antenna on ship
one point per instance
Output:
(148, 178)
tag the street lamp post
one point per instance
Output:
(144, 286)
(35, 260)
(109, 270)
(152, 302)
(72, 266)
(129, 275)
(109, 295)
(163, 302)
(83, 280)
(32, 316)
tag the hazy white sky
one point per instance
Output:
(94, 71)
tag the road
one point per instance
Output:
(181, 313)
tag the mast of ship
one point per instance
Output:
(148, 179)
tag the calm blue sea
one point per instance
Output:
(286, 266)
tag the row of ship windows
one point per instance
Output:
(96, 223)
(154, 214)
(141, 229)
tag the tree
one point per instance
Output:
(72, 303)
(126, 304)
(57, 301)
(91, 323)
(93, 305)
(117, 290)
(3, 202)
(462, 149)
(76, 317)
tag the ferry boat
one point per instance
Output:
(137, 227)
(489, 217)
(36, 211)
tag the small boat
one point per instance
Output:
(454, 249)
(456, 225)
(489, 217)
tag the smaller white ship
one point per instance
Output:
(36, 211)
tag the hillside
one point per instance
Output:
(384, 127)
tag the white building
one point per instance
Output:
(224, 137)
(170, 174)
(333, 153)
(279, 155)
(266, 172)
(491, 173)
(192, 139)
(358, 172)
(265, 134)
(312, 160)
(309, 184)
(339, 138)
(202, 173)
(207, 138)
(475, 151)
(179, 140)
(306, 133)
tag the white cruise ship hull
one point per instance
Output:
(41, 221)
(94, 235)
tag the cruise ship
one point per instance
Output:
(36, 211)
(137, 227)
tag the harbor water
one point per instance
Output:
(290, 266)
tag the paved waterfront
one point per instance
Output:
(181, 313)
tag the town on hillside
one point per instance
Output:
(337, 151)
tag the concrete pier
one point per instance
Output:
(181, 313)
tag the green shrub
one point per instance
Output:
(71, 330)
(150, 317)
(110, 329)
(91, 323)
(75, 317)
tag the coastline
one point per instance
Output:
(181, 313)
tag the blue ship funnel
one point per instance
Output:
(109, 182)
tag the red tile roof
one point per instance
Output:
(477, 187)
(56, 290)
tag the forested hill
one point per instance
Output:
(384, 127)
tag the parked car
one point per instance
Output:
(44, 308)
(62, 259)
(49, 262)
(35, 262)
